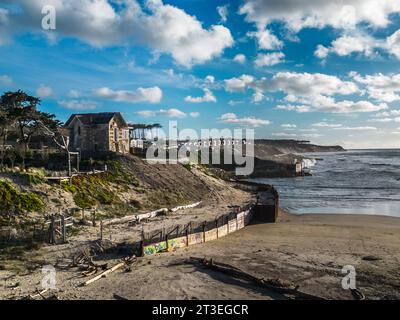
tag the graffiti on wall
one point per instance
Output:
(177, 243)
(241, 220)
(155, 248)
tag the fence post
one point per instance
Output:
(237, 225)
(52, 230)
(187, 233)
(204, 231)
(64, 229)
(101, 230)
(216, 226)
(94, 218)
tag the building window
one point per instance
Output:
(79, 131)
(125, 134)
(116, 134)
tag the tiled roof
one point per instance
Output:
(95, 118)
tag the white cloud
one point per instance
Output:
(321, 52)
(266, 40)
(172, 113)
(357, 128)
(393, 44)
(223, 13)
(269, 59)
(210, 79)
(326, 125)
(240, 58)
(257, 97)
(162, 27)
(387, 116)
(346, 45)
(78, 104)
(4, 24)
(146, 113)
(284, 134)
(6, 80)
(235, 102)
(297, 108)
(312, 135)
(307, 92)
(238, 84)
(73, 94)
(389, 113)
(288, 125)
(347, 106)
(207, 97)
(380, 87)
(330, 105)
(152, 95)
(194, 114)
(383, 120)
(360, 43)
(232, 118)
(44, 91)
(294, 135)
(299, 14)
(305, 86)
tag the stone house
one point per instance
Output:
(93, 133)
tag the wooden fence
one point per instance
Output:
(52, 231)
(166, 240)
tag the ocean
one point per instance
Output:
(351, 182)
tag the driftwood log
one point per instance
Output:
(189, 206)
(134, 218)
(270, 284)
(105, 273)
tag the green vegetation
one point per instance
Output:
(33, 176)
(161, 197)
(118, 174)
(92, 190)
(11, 200)
(20, 117)
(187, 166)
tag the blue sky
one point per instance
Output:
(326, 72)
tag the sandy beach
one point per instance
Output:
(307, 250)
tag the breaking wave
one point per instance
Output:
(364, 181)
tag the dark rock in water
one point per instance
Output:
(371, 258)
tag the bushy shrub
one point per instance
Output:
(13, 200)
